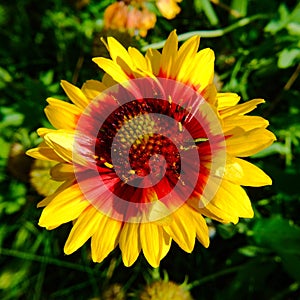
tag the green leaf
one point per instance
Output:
(291, 263)
(240, 6)
(288, 57)
(5, 78)
(13, 275)
(15, 198)
(275, 148)
(252, 251)
(293, 28)
(283, 12)
(283, 237)
(275, 25)
(226, 231)
(47, 77)
(198, 6)
(288, 20)
(4, 149)
(209, 12)
(295, 14)
(277, 233)
(9, 117)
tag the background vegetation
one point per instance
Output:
(43, 42)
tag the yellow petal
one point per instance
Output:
(75, 94)
(106, 238)
(62, 172)
(209, 94)
(227, 100)
(203, 72)
(226, 203)
(85, 226)
(213, 212)
(241, 109)
(45, 202)
(158, 212)
(92, 88)
(169, 56)
(65, 207)
(247, 123)
(233, 198)
(108, 80)
(62, 115)
(153, 58)
(43, 131)
(120, 56)
(202, 233)
(112, 68)
(62, 143)
(230, 203)
(189, 48)
(244, 173)
(130, 243)
(61, 188)
(52, 227)
(166, 245)
(154, 243)
(244, 144)
(118, 53)
(137, 58)
(186, 55)
(182, 230)
(44, 153)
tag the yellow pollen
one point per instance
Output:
(189, 147)
(180, 126)
(200, 140)
(108, 165)
(182, 182)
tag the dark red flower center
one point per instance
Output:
(137, 140)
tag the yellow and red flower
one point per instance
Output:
(149, 151)
(134, 16)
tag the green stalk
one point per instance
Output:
(44, 260)
(210, 33)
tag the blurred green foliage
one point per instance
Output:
(43, 42)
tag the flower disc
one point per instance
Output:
(144, 147)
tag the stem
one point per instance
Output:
(210, 33)
(233, 12)
(288, 145)
(292, 79)
(44, 259)
(286, 87)
(291, 289)
(214, 276)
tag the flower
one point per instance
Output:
(18, 164)
(114, 292)
(145, 154)
(168, 8)
(135, 17)
(40, 177)
(165, 290)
